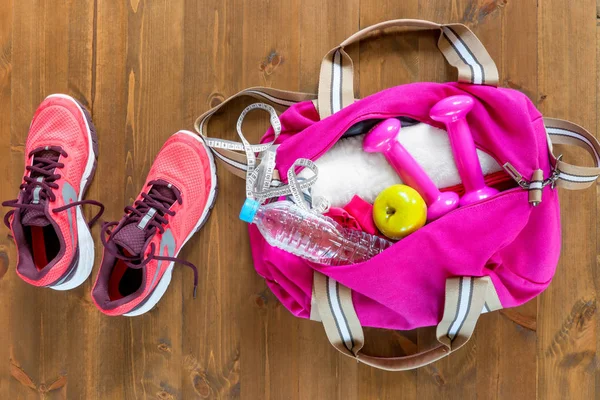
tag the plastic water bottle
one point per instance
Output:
(315, 237)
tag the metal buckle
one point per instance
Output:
(524, 183)
(555, 174)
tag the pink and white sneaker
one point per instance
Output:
(54, 244)
(141, 249)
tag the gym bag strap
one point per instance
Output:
(573, 177)
(560, 132)
(466, 298)
(232, 153)
(459, 45)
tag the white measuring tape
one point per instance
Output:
(260, 185)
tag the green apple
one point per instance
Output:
(398, 211)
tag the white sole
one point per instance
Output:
(164, 282)
(85, 261)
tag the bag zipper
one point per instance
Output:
(383, 116)
(536, 184)
(456, 210)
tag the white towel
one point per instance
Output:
(346, 170)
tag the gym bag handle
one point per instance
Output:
(466, 299)
(459, 45)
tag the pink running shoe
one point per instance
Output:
(141, 248)
(53, 240)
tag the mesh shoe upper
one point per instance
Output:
(184, 165)
(58, 131)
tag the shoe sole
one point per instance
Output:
(85, 262)
(163, 283)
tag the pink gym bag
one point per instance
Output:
(494, 254)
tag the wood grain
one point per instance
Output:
(146, 69)
(6, 249)
(567, 311)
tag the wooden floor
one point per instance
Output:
(148, 68)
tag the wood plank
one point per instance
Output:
(567, 310)
(7, 249)
(444, 379)
(68, 316)
(42, 355)
(155, 69)
(212, 350)
(597, 278)
(111, 103)
(323, 25)
(69, 74)
(506, 341)
(384, 61)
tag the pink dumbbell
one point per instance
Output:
(452, 111)
(383, 139)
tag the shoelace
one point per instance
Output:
(152, 199)
(46, 169)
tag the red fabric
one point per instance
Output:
(343, 218)
(38, 248)
(363, 212)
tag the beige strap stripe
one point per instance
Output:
(465, 51)
(459, 45)
(492, 301)
(232, 155)
(570, 176)
(350, 317)
(236, 162)
(314, 307)
(405, 363)
(466, 298)
(336, 85)
(240, 173)
(233, 166)
(450, 317)
(569, 141)
(342, 327)
(406, 25)
(280, 99)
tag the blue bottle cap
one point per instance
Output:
(249, 210)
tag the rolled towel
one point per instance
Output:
(346, 170)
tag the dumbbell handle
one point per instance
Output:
(452, 111)
(465, 154)
(383, 139)
(411, 172)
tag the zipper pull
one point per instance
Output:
(534, 186)
(515, 175)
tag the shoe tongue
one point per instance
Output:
(164, 191)
(44, 154)
(34, 217)
(37, 217)
(131, 237)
